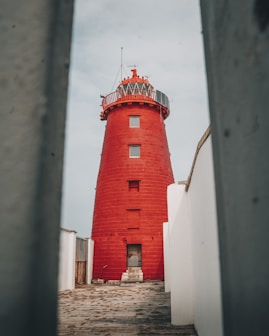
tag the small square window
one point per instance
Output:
(134, 121)
(134, 151)
(133, 185)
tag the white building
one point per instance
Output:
(191, 251)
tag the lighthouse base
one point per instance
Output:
(132, 274)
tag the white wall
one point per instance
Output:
(67, 254)
(193, 252)
(166, 256)
(207, 288)
(89, 261)
(173, 201)
(180, 256)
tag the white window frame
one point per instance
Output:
(134, 118)
(133, 155)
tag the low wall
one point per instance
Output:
(67, 260)
(191, 248)
(66, 279)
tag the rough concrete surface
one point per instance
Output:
(126, 309)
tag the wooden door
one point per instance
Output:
(81, 261)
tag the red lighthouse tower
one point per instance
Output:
(135, 170)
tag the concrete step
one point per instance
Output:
(132, 275)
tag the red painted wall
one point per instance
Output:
(114, 223)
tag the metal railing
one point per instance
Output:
(135, 94)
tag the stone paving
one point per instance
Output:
(126, 309)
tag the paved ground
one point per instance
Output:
(128, 309)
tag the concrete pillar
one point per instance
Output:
(236, 36)
(89, 261)
(35, 44)
(67, 262)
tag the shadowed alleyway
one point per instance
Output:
(128, 309)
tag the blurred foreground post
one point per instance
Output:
(34, 64)
(236, 38)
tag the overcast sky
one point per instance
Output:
(163, 39)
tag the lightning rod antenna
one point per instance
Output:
(121, 56)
